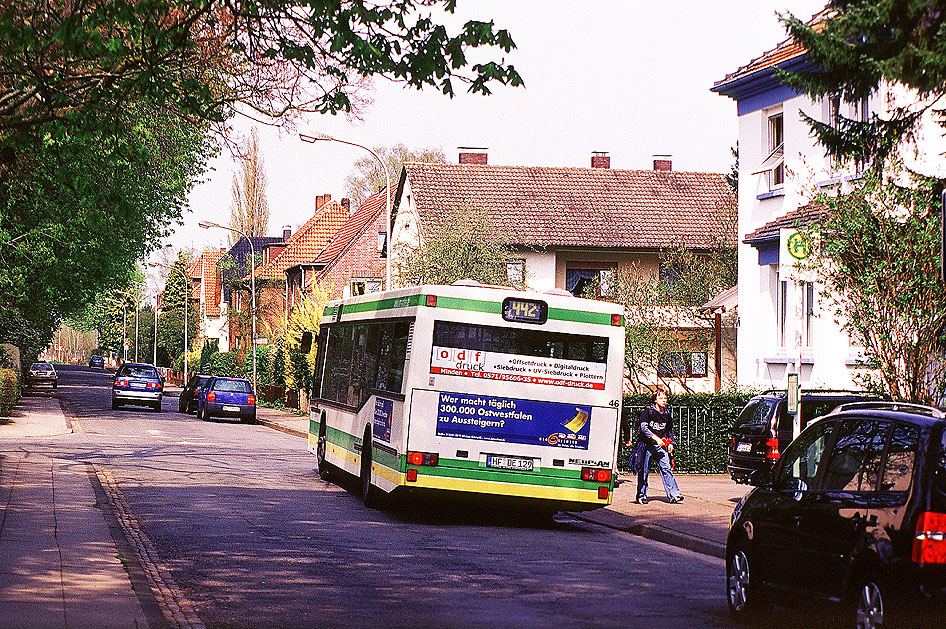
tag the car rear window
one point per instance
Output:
(139, 372)
(45, 366)
(810, 411)
(234, 386)
(754, 414)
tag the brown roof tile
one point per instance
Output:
(353, 228)
(796, 218)
(308, 241)
(577, 207)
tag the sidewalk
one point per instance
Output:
(700, 523)
(59, 564)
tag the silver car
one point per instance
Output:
(42, 373)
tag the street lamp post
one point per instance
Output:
(208, 225)
(186, 299)
(313, 137)
(124, 326)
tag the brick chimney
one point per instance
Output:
(346, 203)
(472, 155)
(600, 159)
(321, 200)
(663, 162)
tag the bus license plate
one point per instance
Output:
(509, 463)
(744, 447)
(232, 409)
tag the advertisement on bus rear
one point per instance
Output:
(512, 420)
(559, 372)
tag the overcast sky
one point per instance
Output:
(628, 77)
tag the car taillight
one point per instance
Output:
(154, 385)
(211, 396)
(251, 399)
(772, 445)
(422, 458)
(929, 543)
(595, 475)
(121, 383)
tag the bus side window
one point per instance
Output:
(319, 368)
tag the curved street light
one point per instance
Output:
(186, 299)
(208, 225)
(312, 137)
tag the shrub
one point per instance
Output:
(701, 423)
(9, 391)
(226, 364)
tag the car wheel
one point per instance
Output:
(54, 385)
(156, 407)
(114, 405)
(369, 493)
(200, 413)
(869, 605)
(742, 598)
(181, 407)
(320, 449)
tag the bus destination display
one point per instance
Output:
(525, 310)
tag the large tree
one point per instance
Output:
(249, 208)
(464, 245)
(857, 45)
(171, 319)
(106, 106)
(368, 176)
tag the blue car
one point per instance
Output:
(138, 384)
(227, 397)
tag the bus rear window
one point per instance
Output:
(521, 342)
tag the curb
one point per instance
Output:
(281, 428)
(662, 534)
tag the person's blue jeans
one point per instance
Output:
(666, 474)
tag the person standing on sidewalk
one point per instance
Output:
(656, 430)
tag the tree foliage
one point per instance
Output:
(177, 289)
(880, 266)
(368, 176)
(249, 208)
(853, 50)
(661, 316)
(465, 244)
(202, 58)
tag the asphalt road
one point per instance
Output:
(254, 538)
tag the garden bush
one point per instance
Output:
(226, 364)
(9, 391)
(701, 423)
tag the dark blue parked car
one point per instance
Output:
(227, 397)
(138, 384)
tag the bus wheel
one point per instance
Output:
(324, 471)
(369, 494)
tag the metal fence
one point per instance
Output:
(702, 439)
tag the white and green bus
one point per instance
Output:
(471, 389)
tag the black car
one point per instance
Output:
(853, 515)
(764, 427)
(96, 362)
(188, 400)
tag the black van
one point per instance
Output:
(764, 427)
(853, 516)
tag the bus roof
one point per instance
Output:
(481, 298)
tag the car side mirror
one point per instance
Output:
(761, 477)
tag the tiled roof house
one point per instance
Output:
(352, 262)
(573, 228)
(570, 224)
(302, 246)
(206, 294)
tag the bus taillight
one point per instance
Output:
(422, 458)
(431, 301)
(595, 475)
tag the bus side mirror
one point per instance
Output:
(306, 342)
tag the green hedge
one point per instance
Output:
(226, 364)
(9, 391)
(701, 423)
